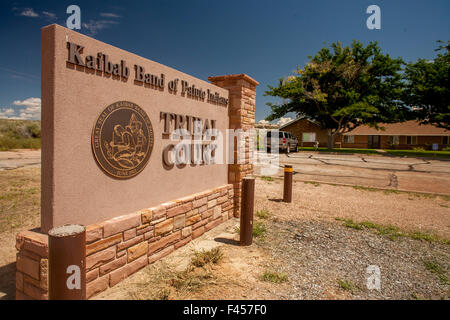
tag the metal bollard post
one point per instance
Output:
(67, 263)
(287, 191)
(247, 204)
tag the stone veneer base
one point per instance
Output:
(119, 247)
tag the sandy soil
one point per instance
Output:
(235, 277)
(315, 252)
(412, 212)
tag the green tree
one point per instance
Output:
(341, 88)
(428, 88)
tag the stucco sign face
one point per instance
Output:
(122, 140)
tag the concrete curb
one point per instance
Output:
(354, 185)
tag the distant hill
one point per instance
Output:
(20, 134)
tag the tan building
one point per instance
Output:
(306, 131)
(404, 135)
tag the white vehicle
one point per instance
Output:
(286, 141)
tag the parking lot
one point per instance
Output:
(399, 173)
(19, 158)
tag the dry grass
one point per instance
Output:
(259, 230)
(392, 232)
(20, 194)
(19, 210)
(263, 214)
(274, 276)
(412, 195)
(346, 285)
(167, 283)
(203, 257)
(435, 267)
(190, 279)
(164, 283)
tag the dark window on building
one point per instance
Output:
(393, 140)
(445, 140)
(411, 140)
(349, 139)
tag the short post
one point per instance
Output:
(287, 191)
(247, 204)
(67, 263)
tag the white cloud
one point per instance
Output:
(32, 110)
(95, 26)
(29, 12)
(30, 102)
(7, 113)
(49, 15)
(283, 121)
(109, 15)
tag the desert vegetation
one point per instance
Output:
(20, 134)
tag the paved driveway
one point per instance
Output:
(411, 174)
(19, 159)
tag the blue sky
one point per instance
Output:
(265, 39)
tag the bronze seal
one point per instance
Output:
(122, 140)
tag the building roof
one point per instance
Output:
(408, 128)
(266, 126)
(295, 120)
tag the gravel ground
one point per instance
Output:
(316, 255)
(410, 212)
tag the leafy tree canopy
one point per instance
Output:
(428, 88)
(342, 88)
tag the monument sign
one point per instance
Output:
(130, 150)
